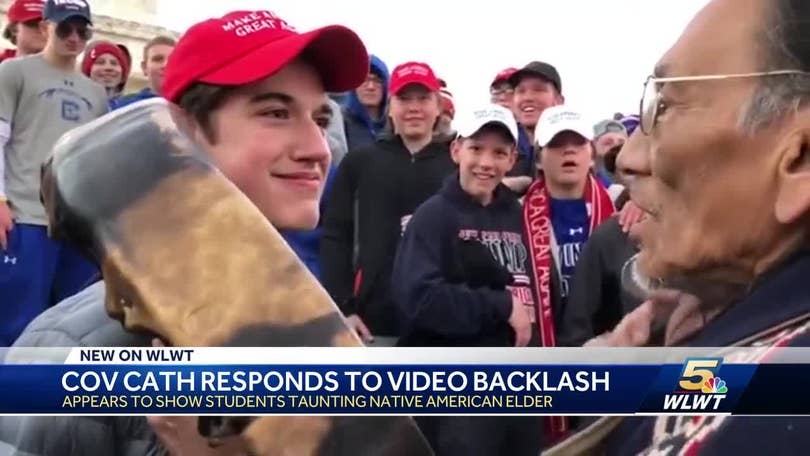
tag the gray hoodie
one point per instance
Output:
(79, 321)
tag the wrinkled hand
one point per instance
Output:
(518, 184)
(179, 434)
(360, 328)
(6, 225)
(521, 323)
(680, 310)
(630, 215)
(180, 437)
(632, 331)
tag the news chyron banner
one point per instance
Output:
(402, 381)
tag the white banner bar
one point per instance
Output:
(395, 356)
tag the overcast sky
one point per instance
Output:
(604, 49)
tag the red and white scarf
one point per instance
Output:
(543, 247)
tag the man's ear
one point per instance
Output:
(43, 28)
(793, 193)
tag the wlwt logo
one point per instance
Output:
(699, 387)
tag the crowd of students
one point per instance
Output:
(45, 91)
(507, 225)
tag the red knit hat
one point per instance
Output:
(99, 48)
(8, 54)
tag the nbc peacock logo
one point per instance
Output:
(699, 387)
(714, 385)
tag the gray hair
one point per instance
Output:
(786, 38)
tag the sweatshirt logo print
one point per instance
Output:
(506, 247)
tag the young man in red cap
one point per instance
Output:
(23, 29)
(374, 194)
(42, 96)
(501, 91)
(257, 104)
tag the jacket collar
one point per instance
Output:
(778, 296)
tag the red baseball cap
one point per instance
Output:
(25, 10)
(413, 73)
(242, 47)
(503, 76)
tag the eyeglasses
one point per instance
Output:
(65, 29)
(499, 92)
(651, 97)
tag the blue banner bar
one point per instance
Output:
(701, 385)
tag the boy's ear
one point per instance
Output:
(513, 156)
(455, 149)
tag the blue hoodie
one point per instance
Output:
(457, 268)
(307, 244)
(361, 130)
(524, 166)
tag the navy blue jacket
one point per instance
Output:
(780, 295)
(307, 244)
(361, 130)
(126, 100)
(525, 163)
(453, 266)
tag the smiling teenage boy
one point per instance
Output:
(258, 106)
(376, 190)
(461, 276)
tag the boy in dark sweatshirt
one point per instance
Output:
(461, 277)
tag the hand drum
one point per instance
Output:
(186, 256)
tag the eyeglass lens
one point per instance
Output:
(649, 106)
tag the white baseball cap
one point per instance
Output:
(471, 122)
(558, 119)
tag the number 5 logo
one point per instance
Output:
(699, 368)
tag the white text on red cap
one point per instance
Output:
(254, 22)
(34, 7)
(421, 70)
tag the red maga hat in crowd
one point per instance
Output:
(25, 10)
(503, 76)
(414, 73)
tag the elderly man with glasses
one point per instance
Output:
(721, 166)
